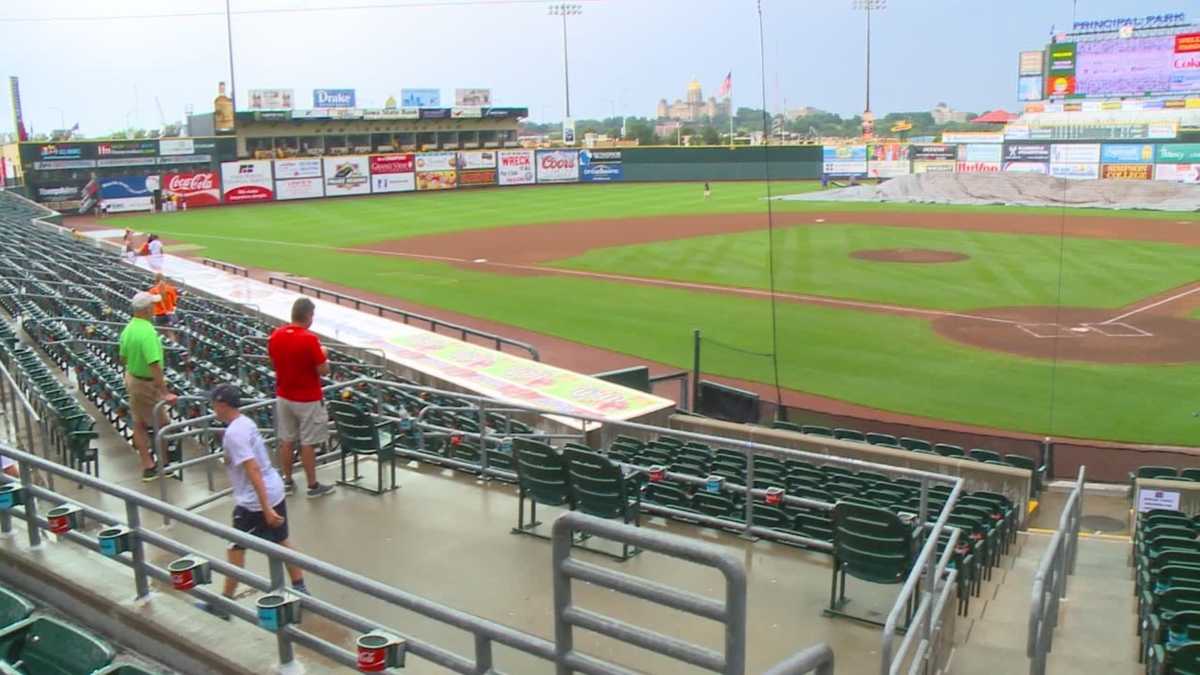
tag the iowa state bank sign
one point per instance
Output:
(333, 98)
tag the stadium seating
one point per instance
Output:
(872, 544)
(360, 434)
(43, 645)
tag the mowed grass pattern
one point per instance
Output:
(1002, 270)
(889, 362)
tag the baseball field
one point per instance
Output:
(1077, 323)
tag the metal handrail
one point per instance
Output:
(406, 315)
(226, 267)
(485, 632)
(1050, 582)
(817, 659)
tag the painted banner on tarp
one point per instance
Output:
(247, 181)
(195, 189)
(516, 167)
(557, 166)
(347, 176)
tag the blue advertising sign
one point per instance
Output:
(120, 187)
(333, 98)
(435, 113)
(1127, 153)
(602, 173)
(845, 153)
(420, 98)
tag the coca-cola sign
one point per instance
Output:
(557, 166)
(195, 189)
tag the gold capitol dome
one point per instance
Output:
(694, 85)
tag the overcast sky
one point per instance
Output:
(89, 66)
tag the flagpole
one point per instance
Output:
(731, 110)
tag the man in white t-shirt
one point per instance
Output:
(154, 248)
(259, 505)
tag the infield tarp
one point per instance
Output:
(1018, 189)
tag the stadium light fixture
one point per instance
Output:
(565, 9)
(869, 6)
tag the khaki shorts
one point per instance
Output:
(305, 422)
(143, 396)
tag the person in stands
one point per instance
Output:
(9, 466)
(260, 506)
(164, 309)
(141, 354)
(300, 418)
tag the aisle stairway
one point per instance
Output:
(1096, 629)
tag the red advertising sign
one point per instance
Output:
(1187, 42)
(477, 177)
(195, 189)
(404, 163)
(1060, 85)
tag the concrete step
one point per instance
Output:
(991, 660)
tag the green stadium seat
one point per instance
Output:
(123, 669)
(982, 455)
(849, 435)
(915, 444)
(784, 425)
(542, 478)
(13, 608)
(948, 450)
(1190, 473)
(599, 488)
(361, 435)
(46, 646)
(886, 440)
(871, 544)
(816, 430)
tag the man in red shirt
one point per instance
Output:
(300, 417)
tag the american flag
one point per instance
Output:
(726, 86)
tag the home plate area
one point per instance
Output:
(1081, 330)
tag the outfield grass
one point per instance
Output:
(889, 362)
(1003, 269)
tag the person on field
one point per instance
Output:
(164, 309)
(300, 418)
(707, 190)
(260, 506)
(141, 354)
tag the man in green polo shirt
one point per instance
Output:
(142, 355)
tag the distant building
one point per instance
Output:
(693, 109)
(944, 114)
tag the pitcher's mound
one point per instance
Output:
(909, 255)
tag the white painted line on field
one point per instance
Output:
(689, 285)
(1139, 310)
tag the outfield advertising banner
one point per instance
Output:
(973, 137)
(247, 181)
(195, 189)
(299, 188)
(1075, 171)
(557, 166)
(1135, 153)
(1027, 167)
(420, 98)
(888, 168)
(477, 178)
(333, 98)
(436, 161)
(297, 168)
(516, 167)
(932, 152)
(887, 152)
(1082, 153)
(981, 153)
(934, 166)
(1030, 152)
(393, 173)
(844, 160)
(437, 180)
(347, 176)
(477, 159)
(127, 193)
(1127, 171)
(176, 146)
(600, 166)
(1179, 153)
(966, 166)
(472, 97)
(271, 99)
(1178, 173)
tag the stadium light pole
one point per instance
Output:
(229, 39)
(869, 6)
(565, 9)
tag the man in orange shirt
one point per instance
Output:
(164, 309)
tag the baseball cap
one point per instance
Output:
(142, 300)
(226, 393)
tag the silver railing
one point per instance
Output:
(1050, 582)
(486, 633)
(405, 315)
